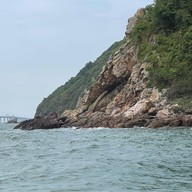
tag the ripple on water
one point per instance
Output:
(95, 160)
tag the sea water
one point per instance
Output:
(95, 160)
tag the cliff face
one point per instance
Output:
(120, 97)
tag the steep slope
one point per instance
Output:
(120, 94)
(134, 87)
(66, 96)
(146, 82)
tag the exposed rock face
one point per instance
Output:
(132, 21)
(119, 101)
(118, 98)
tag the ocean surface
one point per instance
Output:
(95, 160)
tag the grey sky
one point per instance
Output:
(45, 42)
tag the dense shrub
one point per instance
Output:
(164, 37)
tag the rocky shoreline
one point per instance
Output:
(145, 120)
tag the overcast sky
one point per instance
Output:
(43, 43)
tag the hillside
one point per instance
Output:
(67, 95)
(146, 82)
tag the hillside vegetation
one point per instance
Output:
(67, 95)
(164, 36)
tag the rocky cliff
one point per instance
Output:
(120, 97)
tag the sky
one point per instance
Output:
(43, 43)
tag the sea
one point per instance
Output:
(95, 160)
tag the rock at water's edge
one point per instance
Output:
(48, 122)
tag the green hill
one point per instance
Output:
(67, 95)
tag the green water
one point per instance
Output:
(86, 160)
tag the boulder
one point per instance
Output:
(163, 114)
(141, 107)
(48, 122)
